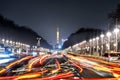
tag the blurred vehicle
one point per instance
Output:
(117, 61)
(112, 56)
(6, 52)
(6, 55)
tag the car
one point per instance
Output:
(112, 56)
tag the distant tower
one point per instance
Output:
(58, 46)
(58, 36)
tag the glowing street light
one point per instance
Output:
(108, 35)
(10, 42)
(102, 36)
(116, 30)
(97, 38)
(7, 41)
(3, 40)
(93, 39)
(90, 45)
(114, 45)
(93, 43)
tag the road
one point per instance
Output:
(59, 66)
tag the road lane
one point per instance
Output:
(58, 66)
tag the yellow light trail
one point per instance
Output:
(58, 65)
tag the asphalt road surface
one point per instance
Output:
(60, 67)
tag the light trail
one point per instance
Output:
(43, 58)
(30, 65)
(76, 65)
(6, 60)
(30, 75)
(14, 63)
(90, 62)
(61, 70)
(39, 60)
(58, 65)
(104, 62)
(57, 77)
(8, 78)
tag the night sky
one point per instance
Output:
(44, 16)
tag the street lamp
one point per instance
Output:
(102, 36)
(13, 43)
(97, 38)
(84, 44)
(16, 44)
(7, 41)
(116, 30)
(93, 44)
(10, 42)
(108, 35)
(3, 40)
(90, 45)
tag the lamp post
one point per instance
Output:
(84, 44)
(116, 30)
(16, 44)
(93, 44)
(13, 43)
(7, 42)
(10, 43)
(90, 45)
(97, 38)
(3, 40)
(102, 36)
(108, 35)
